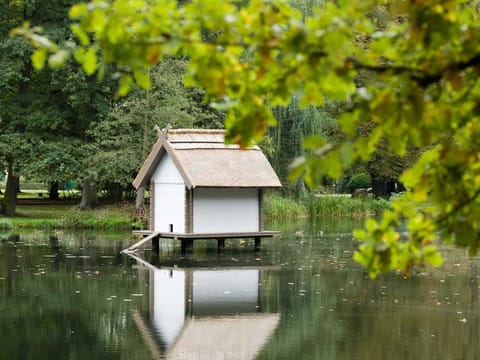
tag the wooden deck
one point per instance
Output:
(188, 238)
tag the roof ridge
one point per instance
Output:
(196, 131)
(229, 147)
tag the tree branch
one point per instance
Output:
(422, 78)
(457, 208)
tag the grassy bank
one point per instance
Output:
(278, 207)
(107, 217)
(113, 217)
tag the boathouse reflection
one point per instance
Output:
(203, 313)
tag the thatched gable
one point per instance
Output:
(204, 160)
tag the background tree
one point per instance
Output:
(56, 162)
(49, 111)
(294, 124)
(16, 65)
(123, 139)
(385, 166)
(16, 151)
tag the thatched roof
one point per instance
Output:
(204, 160)
(228, 337)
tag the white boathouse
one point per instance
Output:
(201, 188)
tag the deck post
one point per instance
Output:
(184, 245)
(221, 245)
(156, 245)
(190, 245)
(258, 243)
(187, 245)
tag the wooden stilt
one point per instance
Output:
(221, 245)
(258, 243)
(156, 245)
(187, 246)
(184, 245)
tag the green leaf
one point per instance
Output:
(314, 142)
(348, 123)
(126, 82)
(78, 10)
(296, 168)
(81, 34)
(90, 61)
(432, 256)
(142, 79)
(39, 57)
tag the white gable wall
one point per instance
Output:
(169, 197)
(225, 210)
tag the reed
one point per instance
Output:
(279, 207)
(342, 206)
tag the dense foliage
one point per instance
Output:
(407, 69)
(44, 115)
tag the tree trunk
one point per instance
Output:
(16, 184)
(89, 193)
(378, 188)
(53, 193)
(10, 198)
(117, 193)
(139, 219)
(385, 188)
(390, 187)
(140, 200)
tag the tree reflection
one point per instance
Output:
(56, 303)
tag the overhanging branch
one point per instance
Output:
(422, 78)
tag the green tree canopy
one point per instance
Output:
(43, 115)
(410, 68)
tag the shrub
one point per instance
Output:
(5, 224)
(359, 181)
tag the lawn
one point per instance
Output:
(69, 216)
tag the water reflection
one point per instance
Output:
(205, 313)
(76, 297)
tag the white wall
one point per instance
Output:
(168, 303)
(169, 201)
(225, 210)
(218, 292)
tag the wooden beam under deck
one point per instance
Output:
(188, 238)
(206, 236)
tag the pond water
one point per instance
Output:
(74, 296)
